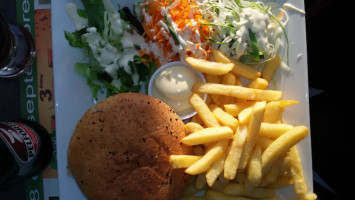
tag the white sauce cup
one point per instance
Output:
(200, 78)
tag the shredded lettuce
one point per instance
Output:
(94, 10)
(254, 46)
(127, 72)
(82, 13)
(74, 38)
(231, 23)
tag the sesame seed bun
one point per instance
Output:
(121, 146)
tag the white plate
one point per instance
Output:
(73, 97)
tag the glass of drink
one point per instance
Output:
(17, 49)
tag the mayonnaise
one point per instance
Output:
(79, 22)
(288, 6)
(173, 86)
(257, 22)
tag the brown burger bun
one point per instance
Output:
(120, 150)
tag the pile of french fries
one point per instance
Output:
(243, 149)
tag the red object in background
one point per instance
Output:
(25, 150)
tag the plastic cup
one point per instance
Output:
(151, 91)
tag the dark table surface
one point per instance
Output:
(330, 46)
(9, 88)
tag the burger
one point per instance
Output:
(120, 150)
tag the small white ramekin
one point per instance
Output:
(161, 68)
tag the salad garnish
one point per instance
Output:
(246, 31)
(171, 30)
(125, 47)
(112, 42)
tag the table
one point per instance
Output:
(35, 86)
(328, 91)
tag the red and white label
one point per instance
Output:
(21, 139)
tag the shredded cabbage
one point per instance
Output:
(247, 31)
(112, 44)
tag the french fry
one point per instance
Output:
(282, 181)
(245, 70)
(208, 135)
(262, 193)
(209, 67)
(244, 116)
(233, 158)
(258, 192)
(208, 99)
(237, 91)
(258, 83)
(225, 119)
(248, 188)
(273, 113)
(310, 196)
(278, 167)
(254, 167)
(192, 127)
(239, 68)
(253, 131)
(284, 166)
(209, 146)
(227, 100)
(296, 171)
(214, 79)
(267, 95)
(197, 119)
(235, 108)
(212, 107)
(273, 130)
(229, 79)
(235, 189)
(200, 182)
(218, 56)
(203, 111)
(281, 145)
(227, 90)
(214, 195)
(262, 155)
(264, 142)
(285, 103)
(270, 67)
(216, 169)
(183, 161)
(217, 186)
(208, 159)
(231, 109)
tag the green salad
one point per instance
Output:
(125, 47)
(111, 41)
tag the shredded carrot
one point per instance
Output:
(185, 15)
(279, 16)
(142, 53)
